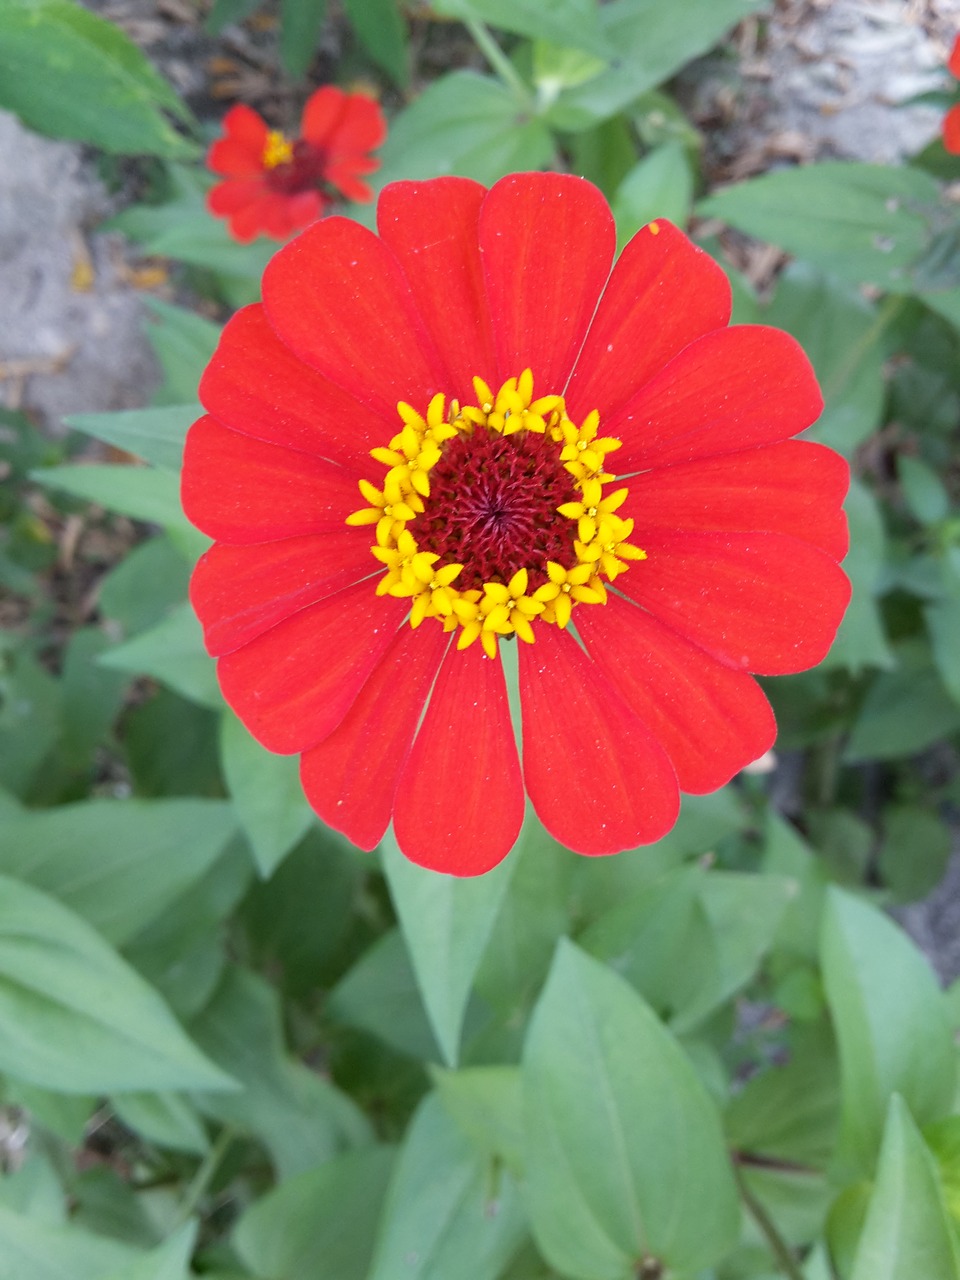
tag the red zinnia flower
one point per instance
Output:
(277, 185)
(951, 121)
(548, 437)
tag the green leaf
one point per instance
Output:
(914, 853)
(61, 984)
(625, 1155)
(266, 793)
(891, 1024)
(91, 698)
(923, 490)
(321, 1222)
(164, 1118)
(466, 124)
(487, 1105)
(140, 492)
(31, 1249)
(184, 343)
(861, 222)
(301, 1118)
(861, 641)
(446, 921)
(169, 1261)
(118, 863)
(566, 22)
(446, 1204)
(147, 582)
(906, 1234)
(173, 653)
(903, 711)
(202, 241)
(381, 31)
(70, 74)
(300, 24)
(658, 186)
(155, 435)
(942, 618)
(645, 45)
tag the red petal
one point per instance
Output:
(343, 174)
(337, 297)
(710, 719)
(459, 805)
(256, 385)
(339, 122)
(432, 229)
(247, 223)
(794, 487)
(731, 389)
(293, 685)
(243, 125)
(664, 292)
(351, 777)
(951, 130)
(953, 62)
(240, 592)
(762, 602)
(547, 242)
(598, 779)
(236, 159)
(234, 194)
(237, 489)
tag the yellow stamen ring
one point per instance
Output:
(599, 537)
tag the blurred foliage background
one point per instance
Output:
(231, 1045)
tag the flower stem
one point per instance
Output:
(205, 1175)
(778, 1246)
(498, 60)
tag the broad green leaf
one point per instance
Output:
(173, 653)
(30, 714)
(864, 223)
(942, 617)
(841, 333)
(446, 1204)
(446, 921)
(145, 585)
(466, 124)
(565, 22)
(487, 1105)
(203, 241)
(169, 1261)
(300, 25)
(625, 1157)
(906, 1234)
(33, 1188)
(923, 490)
(70, 74)
(914, 852)
(891, 1024)
(266, 793)
(61, 984)
(183, 342)
(786, 853)
(164, 1118)
(66, 1115)
(645, 44)
(31, 1249)
(861, 640)
(321, 1222)
(658, 186)
(903, 711)
(118, 863)
(155, 435)
(299, 1116)
(91, 698)
(380, 995)
(381, 31)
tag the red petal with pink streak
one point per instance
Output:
(237, 489)
(240, 592)
(351, 777)
(663, 293)
(598, 779)
(794, 487)
(731, 389)
(546, 242)
(337, 297)
(710, 719)
(762, 602)
(256, 385)
(432, 229)
(293, 685)
(459, 805)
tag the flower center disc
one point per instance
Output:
(492, 517)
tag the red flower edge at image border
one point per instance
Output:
(741, 525)
(951, 121)
(276, 185)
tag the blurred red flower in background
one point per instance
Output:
(951, 121)
(574, 455)
(275, 185)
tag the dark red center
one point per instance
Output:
(493, 508)
(304, 171)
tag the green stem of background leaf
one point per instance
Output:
(204, 1176)
(499, 61)
(778, 1246)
